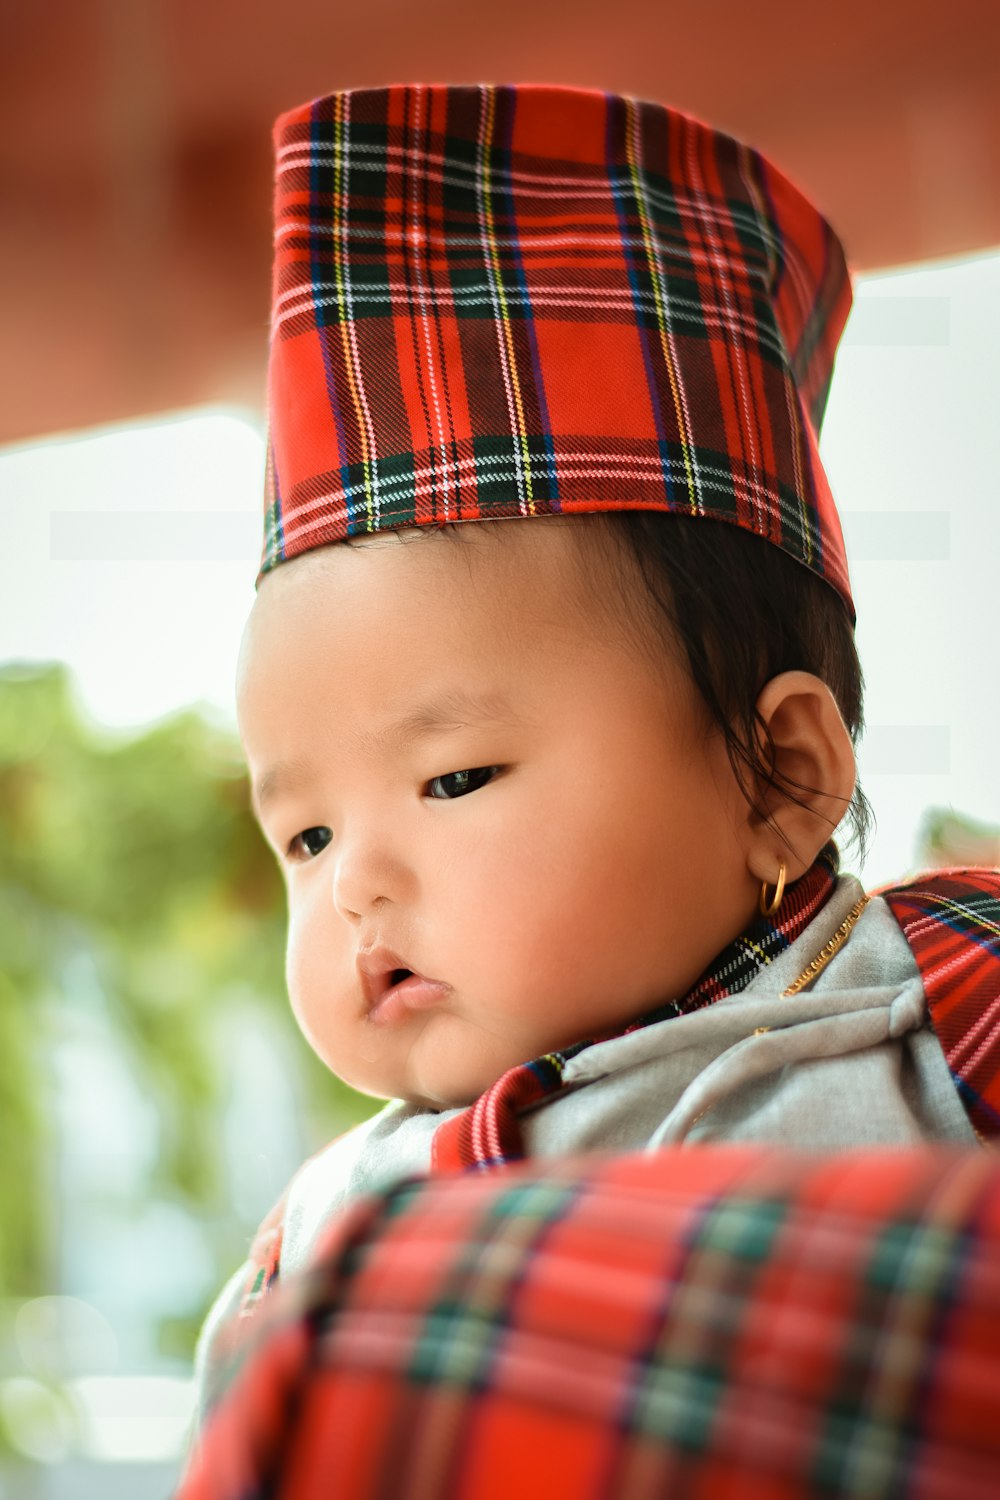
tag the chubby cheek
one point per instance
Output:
(598, 932)
(552, 902)
(311, 976)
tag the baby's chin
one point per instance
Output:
(436, 1096)
(423, 1076)
(439, 1101)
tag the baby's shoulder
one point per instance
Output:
(980, 883)
(392, 1144)
(950, 919)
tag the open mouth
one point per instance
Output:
(391, 990)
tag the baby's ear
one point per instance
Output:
(814, 775)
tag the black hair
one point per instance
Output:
(744, 611)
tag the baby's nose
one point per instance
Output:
(367, 873)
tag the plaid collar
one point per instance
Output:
(488, 1133)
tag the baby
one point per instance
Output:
(549, 694)
(505, 818)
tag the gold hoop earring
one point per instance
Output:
(768, 908)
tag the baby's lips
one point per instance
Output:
(408, 996)
(376, 967)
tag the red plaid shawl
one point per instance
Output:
(706, 1322)
(951, 920)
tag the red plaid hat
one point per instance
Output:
(501, 301)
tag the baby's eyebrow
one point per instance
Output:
(283, 776)
(451, 710)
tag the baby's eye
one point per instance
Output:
(311, 840)
(460, 783)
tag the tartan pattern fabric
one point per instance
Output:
(951, 920)
(521, 300)
(702, 1322)
(488, 1134)
(264, 1258)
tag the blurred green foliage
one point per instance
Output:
(139, 851)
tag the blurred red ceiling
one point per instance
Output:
(135, 151)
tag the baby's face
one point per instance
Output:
(503, 827)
